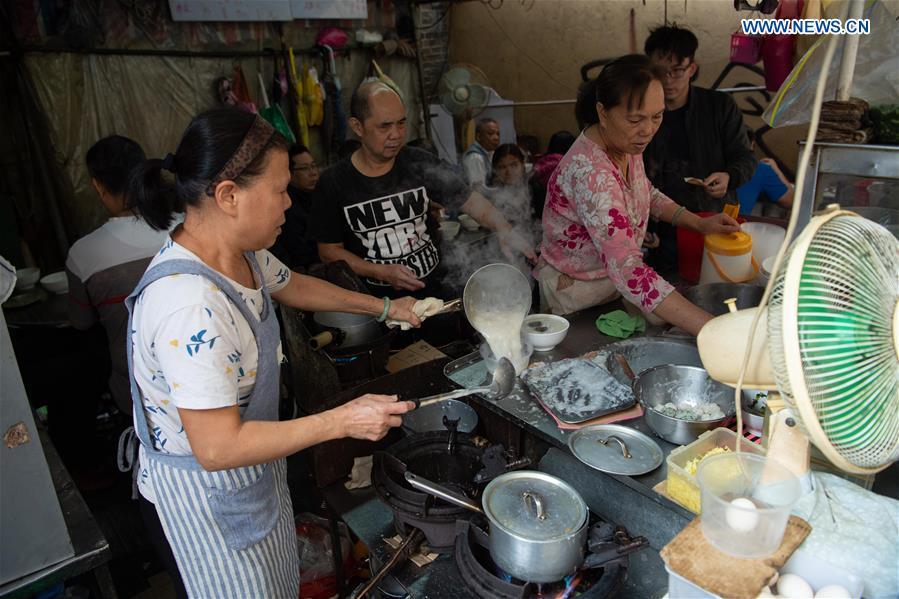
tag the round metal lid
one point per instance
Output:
(615, 449)
(534, 506)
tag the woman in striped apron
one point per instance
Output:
(205, 353)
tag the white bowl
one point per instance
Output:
(26, 278)
(546, 340)
(449, 229)
(56, 282)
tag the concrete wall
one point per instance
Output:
(533, 50)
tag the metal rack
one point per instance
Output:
(863, 178)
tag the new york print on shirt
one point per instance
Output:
(393, 230)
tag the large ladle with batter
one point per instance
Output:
(502, 383)
(497, 294)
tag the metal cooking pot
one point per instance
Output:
(430, 418)
(681, 384)
(358, 329)
(538, 523)
(710, 297)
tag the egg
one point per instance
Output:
(794, 587)
(765, 593)
(833, 591)
(741, 515)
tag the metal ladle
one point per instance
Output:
(502, 383)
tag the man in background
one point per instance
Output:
(702, 139)
(104, 266)
(371, 209)
(478, 157)
(295, 246)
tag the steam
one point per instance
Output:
(463, 259)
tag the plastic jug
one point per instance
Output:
(727, 258)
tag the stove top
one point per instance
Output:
(486, 580)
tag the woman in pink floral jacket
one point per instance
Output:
(599, 202)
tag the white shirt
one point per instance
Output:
(119, 240)
(193, 349)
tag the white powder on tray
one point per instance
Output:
(577, 390)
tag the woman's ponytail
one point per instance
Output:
(585, 107)
(152, 196)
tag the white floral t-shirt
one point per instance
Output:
(193, 349)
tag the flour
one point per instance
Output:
(502, 331)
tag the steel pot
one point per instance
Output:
(538, 523)
(680, 384)
(358, 329)
(710, 297)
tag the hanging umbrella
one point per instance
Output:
(297, 85)
(274, 116)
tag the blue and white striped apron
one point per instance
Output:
(232, 531)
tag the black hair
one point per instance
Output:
(296, 150)
(359, 101)
(209, 141)
(347, 148)
(507, 150)
(560, 142)
(671, 40)
(625, 79)
(111, 160)
(750, 134)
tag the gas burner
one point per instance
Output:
(457, 461)
(484, 579)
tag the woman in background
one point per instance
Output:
(599, 202)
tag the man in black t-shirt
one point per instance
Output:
(371, 209)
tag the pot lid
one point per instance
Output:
(534, 506)
(615, 449)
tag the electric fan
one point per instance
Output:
(462, 88)
(832, 347)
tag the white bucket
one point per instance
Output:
(766, 239)
(727, 258)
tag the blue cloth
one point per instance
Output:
(764, 181)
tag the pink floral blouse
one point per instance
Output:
(594, 223)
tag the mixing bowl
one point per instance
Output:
(688, 385)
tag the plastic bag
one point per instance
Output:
(314, 546)
(876, 78)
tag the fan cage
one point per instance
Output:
(840, 297)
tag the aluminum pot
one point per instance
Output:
(358, 329)
(681, 384)
(538, 523)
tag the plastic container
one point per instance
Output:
(745, 49)
(769, 491)
(682, 486)
(727, 258)
(766, 239)
(777, 52)
(765, 271)
(689, 251)
(814, 571)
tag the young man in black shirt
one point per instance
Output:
(701, 137)
(371, 209)
(295, 246)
